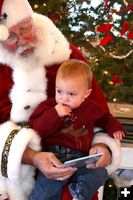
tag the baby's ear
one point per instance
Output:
(88, 92)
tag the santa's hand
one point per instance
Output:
(51, 167)
(105, 159)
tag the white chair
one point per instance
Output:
(126, 162)
(127, 156)
(124, 112)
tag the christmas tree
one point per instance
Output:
(103, 31)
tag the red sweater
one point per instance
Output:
(75, 131)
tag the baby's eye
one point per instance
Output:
(58, 91)
(72, 94)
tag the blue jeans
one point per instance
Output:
(84, 184)
(87, 182)
(47, 189)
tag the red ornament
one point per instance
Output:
(56, 16)
(52, 17)
(116, 79)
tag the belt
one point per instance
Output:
(23, 124)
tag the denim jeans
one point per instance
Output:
(84, 184)
(47, 189)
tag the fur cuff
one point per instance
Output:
(20, 179)
(114, 147)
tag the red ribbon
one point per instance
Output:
(105, 4)
(104, 28)
(130, 35)
(125, 27)
(105, 40)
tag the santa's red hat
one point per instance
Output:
(12, 12)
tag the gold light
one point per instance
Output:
(110, 185)
(114, 99)
(110, 82)
(105, 72)
(36, 6)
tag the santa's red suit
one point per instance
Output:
(28, 81)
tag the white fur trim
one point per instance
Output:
(114, 147)
(16, 11)
(4, 33)
(3, 189)
(20, 179)
(29, 90)
(52, 46)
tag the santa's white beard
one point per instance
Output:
(24, 62)
(27, 61)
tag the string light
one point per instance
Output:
(105, 72)
(36, 6)
(114, 99)
(110, 185)
(125, 2)
(44, 4)
(123, 56)
(110, 82)
(72, 35)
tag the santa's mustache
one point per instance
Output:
(21, 49)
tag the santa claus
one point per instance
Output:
(31, 50)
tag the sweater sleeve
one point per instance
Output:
(45, 119)
(110, 124)
(104, 119)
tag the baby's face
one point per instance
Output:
(71, 92)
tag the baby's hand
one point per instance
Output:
(63, 110)
(119, 135)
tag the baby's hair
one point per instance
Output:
(72, 68)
